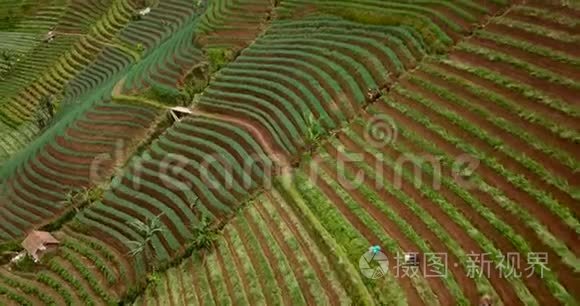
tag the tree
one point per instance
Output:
(147, 230)
(83, 197)
(204, 235)
(314, 133)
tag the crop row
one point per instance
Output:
(264, 256)
(233, 23)
(256, 85)
(79, 155)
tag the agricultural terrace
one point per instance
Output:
(314, 130)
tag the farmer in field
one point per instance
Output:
(485, 300)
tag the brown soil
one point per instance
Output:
(261, 136)
(35, 191)
(556, 116)
(198, 166)
(240, 268)
(193, 273)
(551, 164)
(562, 92)
(412, 294)
(169, 291)
(50, 185)
(82, 147)
(556, 7)
(194, 187)
(67, 287)
(267, 253)
(390, 227)
(156, 195)
(334, 299)
(289, 254)
(40, 286)
(59, 177)
(541, 61)
(544, 215)
(218, 109)
(346, 94)
(209, 279)
(550, 24)
(558, 45)
(224, 273)
(151, 208)
(254, 262)
(117, 263)
(505, 291)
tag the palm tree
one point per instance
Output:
(147, 230)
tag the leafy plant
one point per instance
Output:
(219, 57)
(314, 133)
(147, 229)
(204, 235)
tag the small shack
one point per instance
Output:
(38, 243)
(144, 12)
(179, 112)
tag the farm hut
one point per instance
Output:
(38, 243)
(144, 11)
(179, 112)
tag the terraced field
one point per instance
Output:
(314, 130)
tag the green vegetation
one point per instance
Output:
(270, 191)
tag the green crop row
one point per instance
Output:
(46, 279)
(281, 261)
(538, 30)
(14, 297)
(262, 270)
(518, 180)
(525, 90)
(348, 241)
(514, 130)
(280, 229)
(65, 274)
(247, 271)
(278, 205)
(528, 67)
(510, 105)
(551, 281)
(87, 275)
(499, 197)
(29, 289)
(425, 291)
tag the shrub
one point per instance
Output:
(219, 57)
